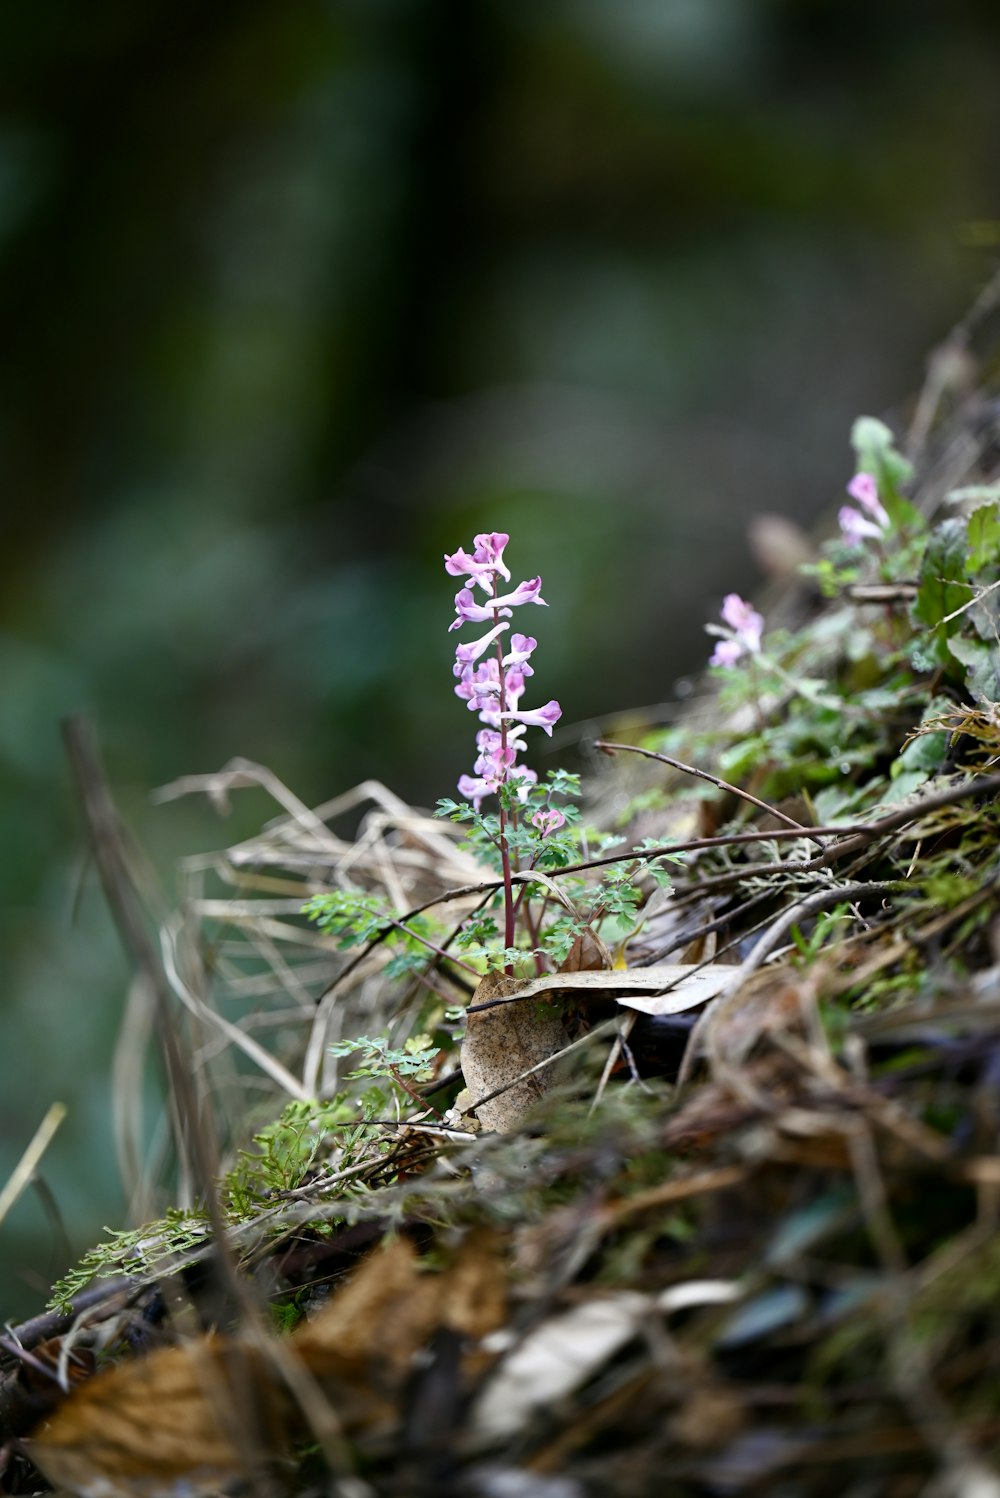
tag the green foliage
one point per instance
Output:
(380, 1060)
(357, 918)
(942, 591)
(984, 537)
(854, 725)
(285, 1155)
(841, 713)
(826, 925)
(156, 1248)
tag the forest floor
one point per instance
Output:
(713, 1209)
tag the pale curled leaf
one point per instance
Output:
(669, 988)
(554, 1359)
(690, 986)
(567, 1350)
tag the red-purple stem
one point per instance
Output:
(508, 887)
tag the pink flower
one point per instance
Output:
(468, 610)
(745, 620)
(854, 526)
(484, 681)
(460, 564)
(521, 647)
(855, 529)
(494, 687)
(527, 592)
(864, 488)
(466, 654)
(548, 821)
(495, 760)
(524, 779)
(489, 552)
(538, 717)
(513, 687)
(726, 653)
(743, 635)
(473, 790)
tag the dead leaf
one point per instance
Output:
(502, 1044)
(587, 954)
(187, 1419)
(475, 1287)
(554, 1359)
(377, 1321)
(690, 986)
(162, 1425)
(668, 988)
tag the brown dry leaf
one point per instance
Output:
(187, 1419)
(587, 954)
(503, 1043)
(377, 1321)
(182, 1420)
(768, 1000)
(667, 988)
(475, 1287)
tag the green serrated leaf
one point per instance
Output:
(981, 659)
(984, 537)
(943, 586)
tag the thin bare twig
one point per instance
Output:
(722, 785)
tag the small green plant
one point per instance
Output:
(915, 603)
(856, 708)
(286, 1153)
(534, 830)
(379, 1060)
(156, 1248)
(404, 1066)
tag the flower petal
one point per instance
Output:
(864, 488)
(538, 717)
(465, 654)
(726, 653)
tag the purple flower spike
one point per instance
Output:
(493, 688)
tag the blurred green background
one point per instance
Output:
(297, 296)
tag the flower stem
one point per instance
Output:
(508, 887)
